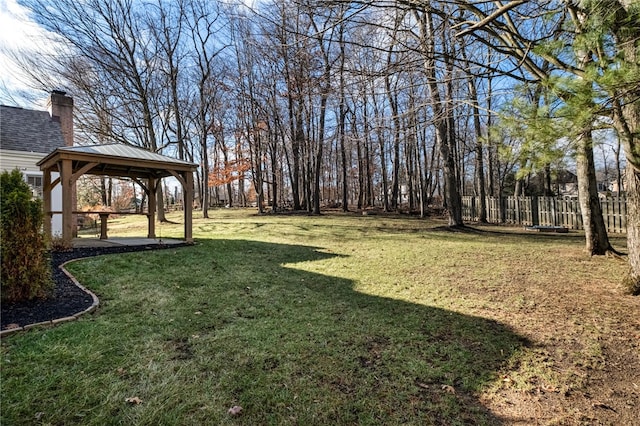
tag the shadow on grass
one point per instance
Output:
(232, 322)
(357, 358)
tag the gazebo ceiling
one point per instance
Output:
(116, 160)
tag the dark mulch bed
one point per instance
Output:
(66, 299)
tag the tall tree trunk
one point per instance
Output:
(478, 150)
(490, 145)
(519, 188)
(227, 166)
(548, 192)
(491, 168)
(110, 192)
(368, 184)
(395, 119)
(597, 241)
(342, 113)
(103, 190)
(410, 160)
(256, 152)
(627, 123)
(318, 165)
(297, 142)
(619, 171)
(369, 189)
(452, 195)
(274, 172)
(242, 198)
(205, 173)
(160, 204)
(632, 187)
(449, 113)
(421, 180)
(383, 159)
(361, 169)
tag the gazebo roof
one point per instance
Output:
(144, 167)
(116, 160)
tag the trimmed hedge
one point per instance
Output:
(26, 265)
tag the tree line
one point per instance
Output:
(356, 104)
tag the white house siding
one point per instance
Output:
(26, 163)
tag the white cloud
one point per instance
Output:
(20, 34)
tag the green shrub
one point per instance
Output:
(26, 266)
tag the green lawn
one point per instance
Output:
(311, 321)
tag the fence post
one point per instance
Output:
(535, 212)
(474, 214)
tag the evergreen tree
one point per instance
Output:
(26, 268)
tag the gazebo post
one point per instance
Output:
(188, 207)
(66, 181)
(46, 203)
(152, 208)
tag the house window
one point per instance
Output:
(35, 182)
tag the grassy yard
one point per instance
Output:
(336, 319)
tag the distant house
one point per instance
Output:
(561, 182)
(615, 188)
(566, 183)
(610, 187)
(27, 136)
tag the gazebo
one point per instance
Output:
(117, 160)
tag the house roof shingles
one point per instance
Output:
(29, 130)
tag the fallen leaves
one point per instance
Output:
(235, 410)
(422, 385)
(548, 389)
(603, 406)
(445, 388)
(449, 389)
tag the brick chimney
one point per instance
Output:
(60, 107)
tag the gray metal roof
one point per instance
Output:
(29, 130)
(123, 151)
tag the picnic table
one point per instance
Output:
(104, 216)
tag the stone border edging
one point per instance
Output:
(94, 305)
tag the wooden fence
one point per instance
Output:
(545, 211)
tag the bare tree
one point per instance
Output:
(204, 25)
